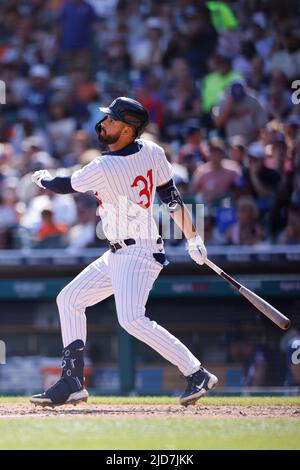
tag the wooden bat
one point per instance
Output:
(264, 307)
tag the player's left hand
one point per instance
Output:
(197, 250)
(37, 177)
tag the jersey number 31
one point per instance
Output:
(146, 188)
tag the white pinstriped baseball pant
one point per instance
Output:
(129, 274)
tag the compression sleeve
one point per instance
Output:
(59, 184)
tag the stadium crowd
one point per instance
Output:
(221, 81)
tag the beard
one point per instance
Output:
(106, 139)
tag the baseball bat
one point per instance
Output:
(264, 307)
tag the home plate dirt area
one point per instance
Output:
(19, 410)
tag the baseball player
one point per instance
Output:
(124, 179)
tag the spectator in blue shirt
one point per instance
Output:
(76, 20)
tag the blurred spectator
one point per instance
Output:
(247, 230)
(286, 55)
(292, 137)
(27, 125)
(291, 234)
(258, 180)
(278, 160)
(38, 94)
(277, 156)
(198, 30)
(152, 101)
(8, 212)
(18, 85)
(181, 174)
(237, 150)
(265, 367)
(49, 226)
(76, 19)
(82, 234)
(225, 216)
(12, 234)
(148, 52)
(60, 127)
(50, 232)
(243, 63)
(118, 61)
(262, 366)
(63, 207)
(6, 161)
(80, 143)
(262, 41)
(182, 101)
(278, 103)
(211, 233)
(216, 82)
(191, 153)
(240, 113)
(212, 180)
(33, 157)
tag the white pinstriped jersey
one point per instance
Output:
(125, 182)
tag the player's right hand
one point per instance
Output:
(197, 250)
(37, 177)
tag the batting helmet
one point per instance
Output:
(129, 111)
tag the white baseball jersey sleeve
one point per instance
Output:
(89, 178)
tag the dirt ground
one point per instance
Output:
(14, 410)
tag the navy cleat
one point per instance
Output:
(63, 392)
(198, 385)
(69, 388)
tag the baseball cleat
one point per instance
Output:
(42, 399)
(69, 389)
(198, 385)
(66, 391)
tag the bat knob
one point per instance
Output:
(286, 325)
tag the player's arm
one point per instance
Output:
(59, 184)
(183, 219)
(89, 178)
(171, 198)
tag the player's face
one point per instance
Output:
(110, 130)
